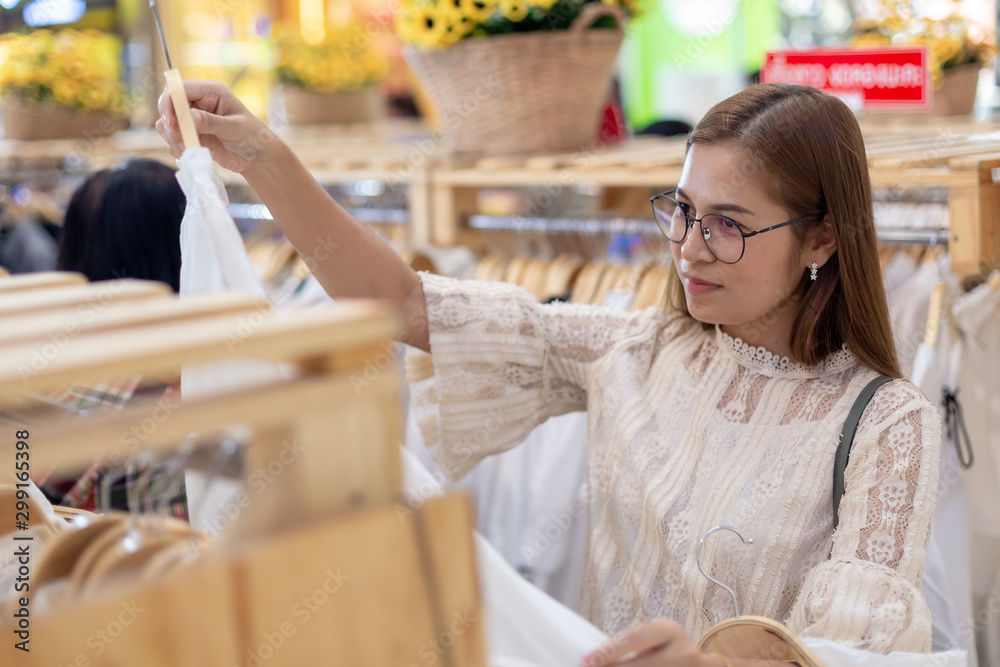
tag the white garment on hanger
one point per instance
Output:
(908, 306)
(978, 316)
(947, 579)
(213, 255)
(214, 259)
(531, 501)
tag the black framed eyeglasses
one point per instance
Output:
(724, 237)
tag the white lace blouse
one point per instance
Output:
(690, 429)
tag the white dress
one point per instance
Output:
(689, 429)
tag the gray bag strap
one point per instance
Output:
(847, 439)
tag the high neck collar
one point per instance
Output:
(762, 361)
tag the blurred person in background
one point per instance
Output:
(122, 222)
(125, 223)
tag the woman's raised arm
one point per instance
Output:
(347, 258)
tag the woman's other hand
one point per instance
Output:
(238, 140)
(660, 643)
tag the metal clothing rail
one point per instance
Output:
(392, 216)
(592, 226)
(598, 226)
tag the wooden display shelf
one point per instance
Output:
(394, 579)
(966, 163)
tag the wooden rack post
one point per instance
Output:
(327, 565)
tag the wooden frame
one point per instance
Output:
(385, 582)
(967, 164)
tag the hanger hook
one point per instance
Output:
(701, 543)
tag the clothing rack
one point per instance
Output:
(404, 573)
(959, 170)
(608, 226)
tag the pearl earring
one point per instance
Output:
(814, 271)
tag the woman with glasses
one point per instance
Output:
(723, 407)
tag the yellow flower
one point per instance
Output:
(475, 10)
(483, 9)
(71, 68)
(458, 18)
(345, 59)
(514, 10)
(430, 27)
(543, 4)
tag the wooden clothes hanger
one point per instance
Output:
(587, 282)
(751, 637)
(562, 275)
(534, 277)
(612, 274)
(652, 290)
(418, 261)
(994, 281)
(30, 506)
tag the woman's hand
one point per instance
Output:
(237, 139)
(660, 643)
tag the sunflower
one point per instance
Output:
(514, 10)
(430, 28)
(405, 24)
(477, 10)
(543, 4)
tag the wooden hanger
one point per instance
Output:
(587, 282)
(62, 553)
(534, 277)
(934, 316)
(36, 515)
(484, 270)
(515, 270)
(885, 254)
(41, 280)
(750, 637)
(73, 513)
(128, 546)
(418, 261)
(994, 280)
(561, 276)
(608, 280)
(182, 109)
(652, 289)
(756, 637)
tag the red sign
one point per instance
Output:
(881, 77)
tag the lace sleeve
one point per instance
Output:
(867, 595)
(501, 363)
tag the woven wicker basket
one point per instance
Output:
(26, 120)
(523, 92)
(306, 107)
(957, 94)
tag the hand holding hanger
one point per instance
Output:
(735, 642)
(237, 139)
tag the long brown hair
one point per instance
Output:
(805, 149)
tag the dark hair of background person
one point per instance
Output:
(125, 223)
(666, 128)
(804, 148)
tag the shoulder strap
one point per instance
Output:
(847, 439)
